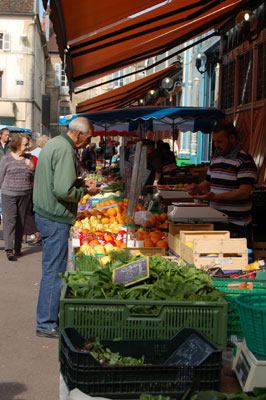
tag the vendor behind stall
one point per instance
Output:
(154, 163)
(229, 181)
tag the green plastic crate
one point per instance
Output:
(109, 319)
(234, 328)
(252, 312)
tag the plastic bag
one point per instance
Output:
(76, 394)
(142, 217)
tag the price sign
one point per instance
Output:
(131, 273)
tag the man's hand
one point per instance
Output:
(209, 196)
(192, 189)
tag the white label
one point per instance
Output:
(227, 260)
(75, 242)
(130, 243)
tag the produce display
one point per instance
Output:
(167, 281)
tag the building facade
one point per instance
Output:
(23, 55)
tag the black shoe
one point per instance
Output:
(18, 253)
(48, 333)
(34, 242)
(10, 255)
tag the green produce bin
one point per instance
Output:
(171, 365)
(252, 311)
(234, 327)
(109, 319)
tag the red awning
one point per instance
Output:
(105, 49)
(126, 94)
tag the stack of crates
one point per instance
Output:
(110, 319)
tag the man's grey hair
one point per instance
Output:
(81, 124)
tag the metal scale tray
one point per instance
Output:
(194, 213)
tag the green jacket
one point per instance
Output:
(56, 193)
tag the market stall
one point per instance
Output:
(150, 277)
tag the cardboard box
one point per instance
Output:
(174, 234)
(210, 251)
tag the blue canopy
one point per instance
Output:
(163, 118)
(16, 129)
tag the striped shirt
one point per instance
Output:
(227, 173)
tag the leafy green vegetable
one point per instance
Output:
(168, 281)
(106, 357)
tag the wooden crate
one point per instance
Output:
(147, 251)
(228, 254)
(174, 234)
(259, 250)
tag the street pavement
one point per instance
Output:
(29, 366)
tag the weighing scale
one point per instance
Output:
(194, 213)
(250, 370)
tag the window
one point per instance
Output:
(245, 78)
(261, 72)
(1, 75)
(4, 41)
(228, 75)
(120, 81)
(64, 108)
(60, 76)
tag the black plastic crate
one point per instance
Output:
(81, 370)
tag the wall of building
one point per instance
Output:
(22, 64)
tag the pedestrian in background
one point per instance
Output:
(4, 148)
(16, 176)
(56, 194)
(89, 157)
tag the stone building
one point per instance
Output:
(23, 55)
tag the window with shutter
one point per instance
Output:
(6, 42)
(1, 40)
(57, 76)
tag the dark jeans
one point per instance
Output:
(54, 260)
(14, 209)
(236, 231)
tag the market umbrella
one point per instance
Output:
(156, 118)
(16, 129)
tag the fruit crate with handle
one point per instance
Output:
(174, 234)
(108, 318)
(170, 365)
(235, 287)
(208, 250)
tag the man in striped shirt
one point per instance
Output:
(229, 181)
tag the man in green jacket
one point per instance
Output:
(56, 195)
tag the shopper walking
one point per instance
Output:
(56, 195)
(16, 175)
(4, 149)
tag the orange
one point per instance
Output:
(112, 220)
(94, 242)
(155, 238)
(162, 243)
(99, 216)
(84, 230)
(119, 218)
(151, 222)
(108, 237)
(163, 217)
(123, 245)
(111, 212)
(148, 243)
(156, 216)
(105, 220)
(145, 234)
(118, 209)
